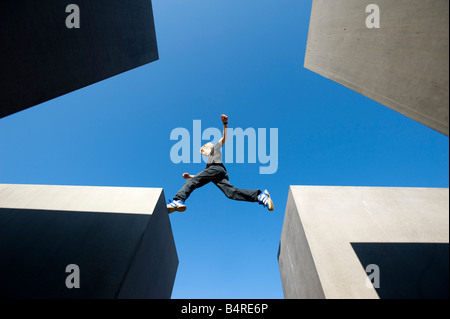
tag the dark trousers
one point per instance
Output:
(219, 176)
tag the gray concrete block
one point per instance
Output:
(403, 65)
(120, 238)
(332, 234)
(43, 59)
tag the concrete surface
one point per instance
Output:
(43, 59)
(403, 65)
(331, 234)
(120, 238)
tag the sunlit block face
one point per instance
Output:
(206, 149)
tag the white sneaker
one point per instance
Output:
(176, 206)
(265, 200)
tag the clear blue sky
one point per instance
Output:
(244, 59)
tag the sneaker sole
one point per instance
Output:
(176, 209)
(271, 206)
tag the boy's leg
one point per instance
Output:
(237, 193)
(199, 180)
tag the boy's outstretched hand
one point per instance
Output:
(187, 176)
(224, 118)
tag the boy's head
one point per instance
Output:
(206, 149)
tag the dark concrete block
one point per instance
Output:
(120, 239)
(43, 59)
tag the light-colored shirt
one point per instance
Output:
(215, 157)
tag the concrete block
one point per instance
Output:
(332, 237)
(403, 65)
(120, 239)
(42, 58)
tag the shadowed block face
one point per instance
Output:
(407, 270)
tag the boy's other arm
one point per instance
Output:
(187, 176)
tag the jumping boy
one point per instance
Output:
(216, 172)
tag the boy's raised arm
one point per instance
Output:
(225, 128)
